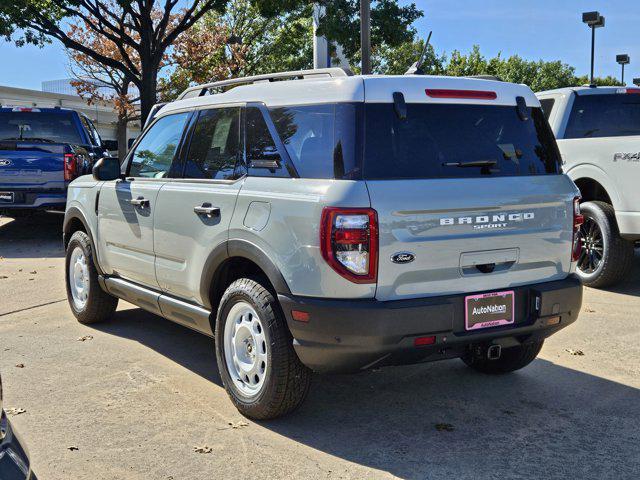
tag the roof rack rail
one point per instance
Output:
(200, 90)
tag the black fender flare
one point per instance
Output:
(74, 213)
(243, 249)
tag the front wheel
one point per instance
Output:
(511, 359)
(258, 365)
(88, 302)
(606, 258)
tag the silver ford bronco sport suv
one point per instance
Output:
(319, 221)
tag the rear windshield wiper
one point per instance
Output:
(475, 163)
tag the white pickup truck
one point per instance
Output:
(598, 133)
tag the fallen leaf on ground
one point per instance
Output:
(72, 448)
(20, 365)
(15, 411)
(574, 352)
(85, 338)
(444, 427)
(203, 449)
(239, 424)
(33, 272)
(2, 277)
(589, 310)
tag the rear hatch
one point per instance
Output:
(468, 191)
(32, 147)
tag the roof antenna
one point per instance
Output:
(416, 68)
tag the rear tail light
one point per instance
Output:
(349, 242)
(472, 94)
(70, 166)
(578, 220)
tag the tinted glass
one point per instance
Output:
(153, 155)
(262, 155)
(320, 139)
(441, 141)
(604, 116)
(214, 147)
(39, 126)
(547, 106)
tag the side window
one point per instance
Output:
(90, 129)
(154, 154)
(215, 145)
(263, 158)
(320, 139)
(547, 106)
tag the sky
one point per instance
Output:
(533, 29)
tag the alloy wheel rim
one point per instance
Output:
(79, 278)
(592, 242)
(245, 349)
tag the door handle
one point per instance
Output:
(207, 210)
(139, 202)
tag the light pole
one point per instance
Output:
(593, 20)
(365, 35)
(623, 60)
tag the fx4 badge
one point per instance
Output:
(628, 157)
(403, 257)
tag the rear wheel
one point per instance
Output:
(258, 365)
(606, 258)
(511, 359)
(88, 302)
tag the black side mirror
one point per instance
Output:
(107, 168)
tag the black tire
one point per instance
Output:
(99, 304)
(286, 382)
(511, 359)
(617, 253)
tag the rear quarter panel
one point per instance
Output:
(284, 222)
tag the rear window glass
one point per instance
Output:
(38, 126)
(613, 115)
(321, 140)
(452, 141)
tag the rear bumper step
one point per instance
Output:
(352, 335)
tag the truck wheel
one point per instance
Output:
(606, 257)
(88, 302)
(511, 359)
(258, 365)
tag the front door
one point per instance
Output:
(194, 212)
(126, 208)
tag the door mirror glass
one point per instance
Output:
(107, 168)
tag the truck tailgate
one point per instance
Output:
(31, 165)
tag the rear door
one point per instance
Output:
(468, 198)
(126, 207)
(193, 211)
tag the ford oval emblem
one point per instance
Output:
(403, 257)
(5, 162)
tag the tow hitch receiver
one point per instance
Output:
(494, 352)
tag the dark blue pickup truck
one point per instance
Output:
(41, 151)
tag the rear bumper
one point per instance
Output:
(33, 199)
(352, 335)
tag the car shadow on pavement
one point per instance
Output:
(37, 236)
(630, 286)
(442, 420)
